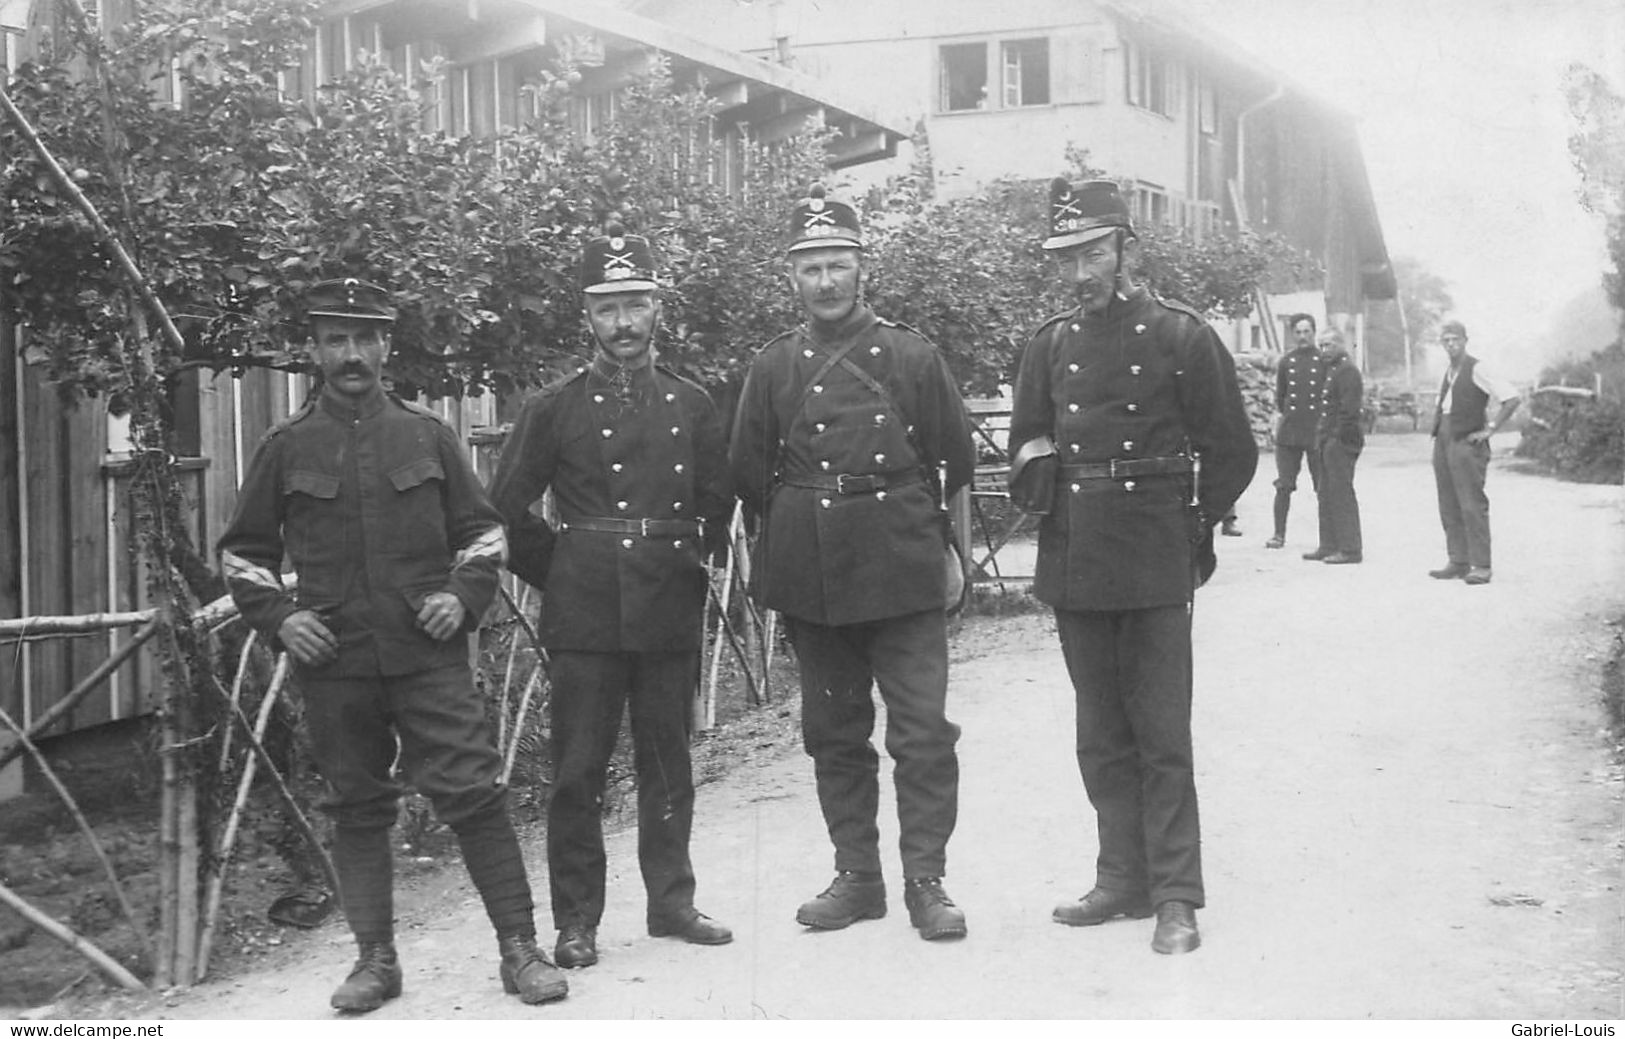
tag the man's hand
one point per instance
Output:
(308, 639)
(1478, 436)
(441, 615)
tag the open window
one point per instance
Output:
(963, 77)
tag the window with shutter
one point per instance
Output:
(1026, 65)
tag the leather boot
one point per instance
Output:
(1100, 905)
(526, 973)
(577, 946)
(375, 978)
(1176, 928)
(850, 898)
(930, 909)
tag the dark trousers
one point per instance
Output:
(1131, 674)
(908, 658)
(1459, 470)
(1339, 507)
(1289, 461)
(437, 724)
(591, 691)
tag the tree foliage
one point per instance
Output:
(238, 199)
(1598, 149)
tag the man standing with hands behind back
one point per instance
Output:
(398, 552)
(850, 435)
(1461, 455)
(1132, 443)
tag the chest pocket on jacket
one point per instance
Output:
(308, 497)
(415, 474)
(418, 516)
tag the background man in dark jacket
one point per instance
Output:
(635, 457)
(1338, 442)
(849, 435)
(1298, 380)
(1114, 402)
(398, 551)
(1462, 428)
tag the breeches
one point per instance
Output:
(908, 658)
(1289, 462)
(445, 743)
(1131, 676)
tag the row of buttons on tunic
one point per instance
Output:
(1132, 407)
(618, 467)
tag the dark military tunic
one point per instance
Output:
(841, 558)
(1117, 559)
(1146, 380)
(622, 610)
(650, 451)
(1340, 439)
(851, 550)
(1298, 380)
(376, 507)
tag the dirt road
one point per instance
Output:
(1409, 812)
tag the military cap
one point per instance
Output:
(1453, 326)
(348, 297)
(617, 262)
(818, 222)
(1080, 213)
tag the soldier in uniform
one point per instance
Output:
(850, 433)
(1338, 442)
(398, 552)
(636, 460)
(1133, 444)
(1298, 379)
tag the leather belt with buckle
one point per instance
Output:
(1124, 468)
(649, 528)
(855, 483)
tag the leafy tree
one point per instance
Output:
(1598, 149)
(1425, 300)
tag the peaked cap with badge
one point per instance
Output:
(617, 262)
(348, 297)
(819, 222)
(1080, 213)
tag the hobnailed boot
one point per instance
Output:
(930, 909)
(849, 898)
(526, 973)
(375, 979)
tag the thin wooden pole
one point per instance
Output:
(72, 940)
(109, 240)
(217, 882)
(237, 695)
(299, 819)
(512, 751)
(141, 936)
(61, 708)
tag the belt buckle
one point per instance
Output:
(643, 527)
(1111, 469)
(867, 483)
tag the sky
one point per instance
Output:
(1464, 128)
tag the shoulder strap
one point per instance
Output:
(824, 369)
